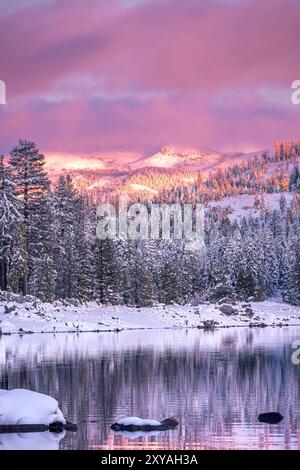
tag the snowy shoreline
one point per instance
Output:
(29, 315)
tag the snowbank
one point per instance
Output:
(20, 406)
(33, 316)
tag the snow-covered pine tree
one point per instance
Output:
(72, 254)
(271, 263)
(12, 247)
(137, 286)
(169, 283)
(251, 277)
(291, 271)
(106, 284)
(32, 188)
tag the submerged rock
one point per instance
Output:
(270, 418)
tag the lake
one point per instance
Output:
(214, 382)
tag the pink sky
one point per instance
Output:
(102, 76)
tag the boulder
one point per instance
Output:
(8, 309)
(227, 309)
(249, 312)
(270, 418)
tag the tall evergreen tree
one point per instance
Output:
(32, 188)
(12, 250)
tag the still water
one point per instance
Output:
(214, 383)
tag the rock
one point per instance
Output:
(209, 324)
(170, 423)
(251, 299)
(133, 424)
(246, 305)
(226, 300)
(270, 418)
(8, 309)
(227, 309)
(249, 312)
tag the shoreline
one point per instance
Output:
(28, 316)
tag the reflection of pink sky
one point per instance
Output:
(116, 76)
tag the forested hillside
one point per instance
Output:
(49, 248)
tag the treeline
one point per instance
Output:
(49, 248)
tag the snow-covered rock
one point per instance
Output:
(134, 421)
(134, 424)
(20, 406)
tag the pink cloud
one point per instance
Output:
(149, 74)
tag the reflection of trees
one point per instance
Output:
(207, 391)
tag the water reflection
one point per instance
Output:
(214, 383)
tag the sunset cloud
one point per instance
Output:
(116, 75)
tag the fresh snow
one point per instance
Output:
(20, 406)
(243, 205)
(35, 316)
(134, 421)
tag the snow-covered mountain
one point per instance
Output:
(104, 173)
(170, 157)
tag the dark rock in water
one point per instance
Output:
(170, 423)
(270, 418)
(71, 427)
(56, 427)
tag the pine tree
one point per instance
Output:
(32, 188)
(72, 254)
(271, 264)
(251, 277)
(291, 272)
(137, 284)
(169, 288)
(12, 249)
(106, 271)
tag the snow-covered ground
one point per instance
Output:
(243, 205)
(33, 316)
